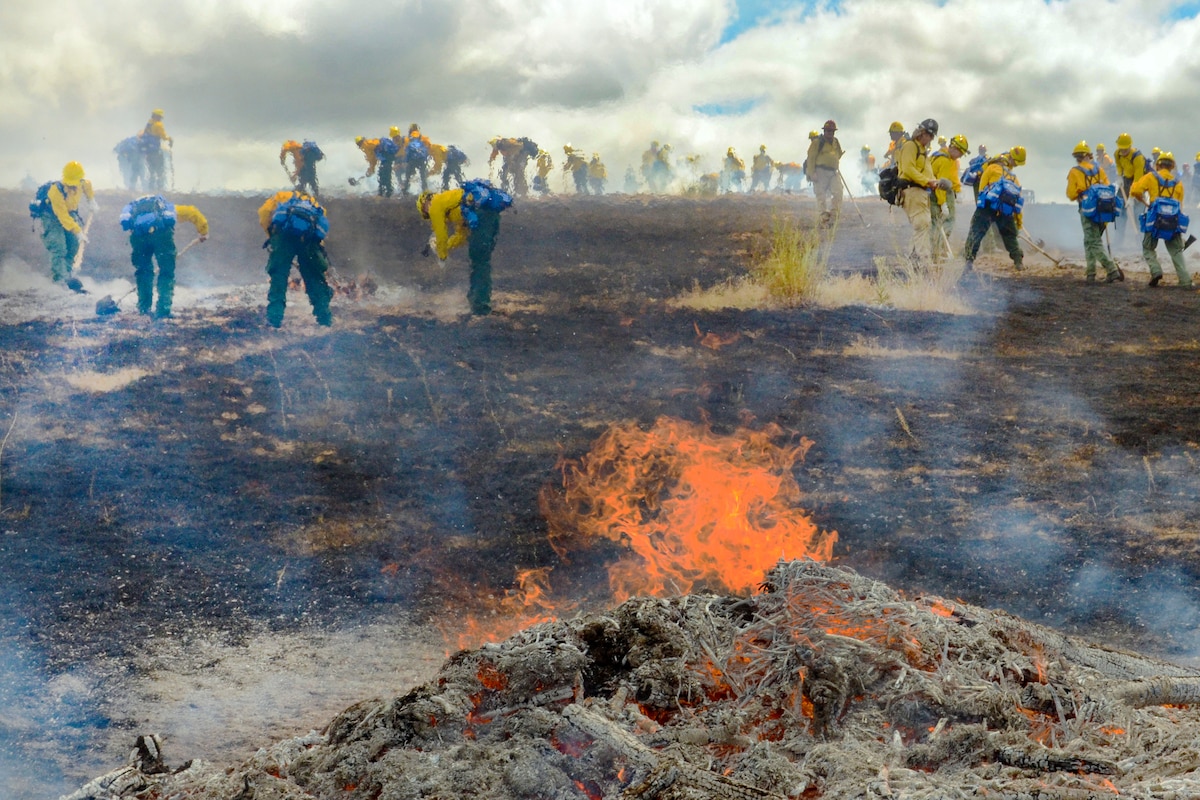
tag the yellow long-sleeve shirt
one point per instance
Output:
(445, 210)
(596, 169)
(1131, 164)
(945, 167)
(913, 163)
(1150, 184)
(368, 149)
(65, 201)
(437, 152)
(994, 171)
(192, 214)
(267, 209)
(156, 129)
(1078, 182)
(293, 148)
(545, 164)
(824, 154)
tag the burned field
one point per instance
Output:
(212, 475)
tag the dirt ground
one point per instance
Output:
(208, 475)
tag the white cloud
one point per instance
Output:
(238, 78)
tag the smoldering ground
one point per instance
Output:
(207, 486)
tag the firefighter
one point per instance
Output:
(130, 161)
(916, 177)
(597, 175)
(415, 154)
(761, 168)
(822, 167)
(1004, 215)
(57, 206)
(1147, 190)
(735, 171)
(897, 138)
(648, 158)
(151, 222)
(1196, 175)
(455, 161)
(945, 168)
(1081, 177)
(296, 227)
(305, 156)
(1131, 166)
(444, 210)
(386, 152)
(661, 171)
(368, 148)
(870, 174)
(577, 165)
(514, 154)
(153, 137)
(545, 165)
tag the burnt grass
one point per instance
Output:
(1038, 456)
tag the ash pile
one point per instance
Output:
(826, 684)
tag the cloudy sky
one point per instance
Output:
(237, 77)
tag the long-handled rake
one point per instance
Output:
(1036, 246)
(861, 218)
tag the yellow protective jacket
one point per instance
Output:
(192, 214)
(734, 164)
(944, 167)
(1131, 165)
(1150, 184)
(893, 150)
(913, 164)
(155, 128)
(62, 203)
(823, 154)
(574, 163)
(438, 153)
(368, 149)
(415, 137)
(508, 148)
(544, 165)
(445, 209)
(596, 169)
(762, 163)
(996, 169)
(1078, 182)
(267, 209)
(294, 148)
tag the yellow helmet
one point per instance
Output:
(896, 127)
(654, 142)
(959, 142)
(1081, 149)
(1155, 151)
(393, 131)
(1198, 156)
(421, 198)
(762, 148)
(72, 173)
(1018, 155)
(358, 140)
(943, 141)
(1166, 157)
(158, 112)
(595, 156)
(567, 148)
(1100, 147)
(1124, 140)
(866, 148)
(729, 151)
(813, 134)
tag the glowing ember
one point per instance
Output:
(694, 507)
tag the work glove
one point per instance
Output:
(945, 184)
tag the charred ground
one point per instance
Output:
(210, 473)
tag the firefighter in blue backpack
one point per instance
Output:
(296, 226)
(386, 152)
(63, 233)
(415, 152)
(452, 167)
(1131, 166)
(1163, 219)
(305, 156)
(943, 211)
(474, 214)
(999, 204)
(151, 221)
(130, 161)
(1085, 181)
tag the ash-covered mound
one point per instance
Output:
(827, 684)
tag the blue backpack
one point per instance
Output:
(310, 152)
(1003, 195)
(41, 200)
(148, 214)
(416, 151)
(974, 169)
(1100, 202)
(480, 195)
(1164, 219)
(454, 156)
(387, 148)
(300, 217)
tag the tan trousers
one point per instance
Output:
(828, 188)
(916, 206)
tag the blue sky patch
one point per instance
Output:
(730, 108)
(750, 14)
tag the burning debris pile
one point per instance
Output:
(823, 684)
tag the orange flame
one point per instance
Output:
(693, 507)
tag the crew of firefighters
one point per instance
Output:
(923, 181)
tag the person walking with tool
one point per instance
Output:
(474, 214)
(296, 227)
(153, 137)
(915, 176)
(761, 167)
(150, 221)
(999, 204)
(1099, 204)
(1131, 166)
(822, 170)
(943, 211)
(1162, 195)
(56, 204)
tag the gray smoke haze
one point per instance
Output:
(237, 78)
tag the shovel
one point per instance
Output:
(1036, 246)
(853, 201)
(106, 306)
(356, 181)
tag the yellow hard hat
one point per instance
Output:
(393, 131)
(1167, 157)
(1198, 156)
(72, 173)
(762, 148)
(866, 148)
(896, 127)
(1081, 149)
(1100, 147)
(421, 198)
(1124, 140)
(730, 150)
(567, 148)
(813, 134)
(158, 112)
(1156, 150)
(960, 142)
(1018, 155)
(358, 140)
(596, 156)
(942, 140)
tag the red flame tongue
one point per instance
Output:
(693, 506)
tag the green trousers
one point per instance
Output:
(385, 177)
(147, 248)
(1093, 248)
(61, 244)
(312, 263)
(1174, 248)
(480, 243)
(982, 222)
